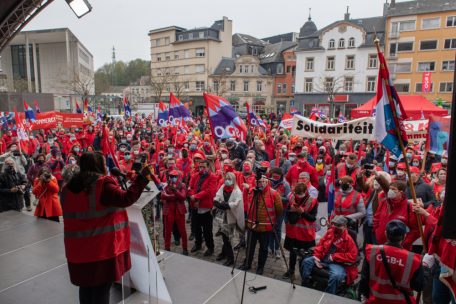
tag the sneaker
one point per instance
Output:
(209, 252)
(185, 252)
(195, 248)
(287, 275)
(29, 208)
(244, 267)
(177, 242)
(278, 255)
(220, 257)
(259, 270)
(192, 237)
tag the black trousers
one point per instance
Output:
(227, 249)
(203, 228)
(368, 235)
(252, 238)
(95, 295)
(27, 194)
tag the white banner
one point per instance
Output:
(416, 129)
(357, 129)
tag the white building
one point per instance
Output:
(47, 61)
(337, 66)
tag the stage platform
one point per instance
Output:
(34, 270)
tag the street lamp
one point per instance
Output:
(79, 7)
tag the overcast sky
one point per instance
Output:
(125, 23)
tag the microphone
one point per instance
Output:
(116, 172)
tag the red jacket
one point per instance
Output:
(247, 194)
(345, 254)
(303, 230)
(48, 194)
(206, 192)
(342, 171)
(403, 266)
(293, 174)
(174, 199)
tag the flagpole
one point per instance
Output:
(401, 145)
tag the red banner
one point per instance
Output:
(426, 82)
(72, 120)
(50, 120)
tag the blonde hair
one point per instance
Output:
(232, 177)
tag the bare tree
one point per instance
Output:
(220, 83)
(77, 83)
(162, 80)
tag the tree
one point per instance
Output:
(220, 86)
(163, 81)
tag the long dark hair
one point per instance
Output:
(92, 166)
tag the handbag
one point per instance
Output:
(37, 199)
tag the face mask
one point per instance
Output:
(342, 152)
(50, 141)
(73, 161)
(224, 155)
(170, 151)
(392, 164)
(337, 230)
(376, 185)
(136, 152)
(415, 164)
(174, 179)
(124, 141)
(318, 142)
(444, 161)
(391, 194)
(13, 148)
(128, 138)
(228, 168)
(262, 148)
(319, 161)
(408, 155)
(76, 150)
(292, 159)
(276, 178)
(349, 166)
(10, 168)
(171, 167)
(127, 157)
(228, 182)
(122, 149)
(192, 147)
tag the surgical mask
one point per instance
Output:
(76, 150)
(192, 147)
(72, 138)
(349, 166)
(444, 161)
(337, 230)
(10, 168)
(173, 179)
(171, 166)
(127, 157)
(392, 164)
(341, 152)
(170, 151)
(40, 161)
(13, 148)
(319, 161)
(228, 182)
(73, 161)
(292, 159)
(408, 155)
(50, 141)
(224, 155)
(123, 149)
(319, 142)
(123, 141)
(184, 154)
(391, 194)
(136, 152)
(415, 164)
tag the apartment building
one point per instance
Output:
(182, 59)
(420, 48)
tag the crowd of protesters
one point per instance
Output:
(246, 190)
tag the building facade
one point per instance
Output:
(182, 59)
(337, 66)
(421, 44)
(243, 80)
(47, 61)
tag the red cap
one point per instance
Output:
(265, 164)
(401, 166)
(223, 149)
(199, 155)
(414, 170)
(416, 157)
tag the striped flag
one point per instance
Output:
(37, 107)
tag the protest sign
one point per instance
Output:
(416, 130)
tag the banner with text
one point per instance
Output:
(416, 130)
(51, 119)
(357, 129)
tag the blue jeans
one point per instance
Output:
(440, 293)
(273, 244)
(336, 273)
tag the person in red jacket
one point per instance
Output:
(203, 187)
(173, 198)
(96, 229)
(337, 251)
(46, 190)
(349, 167)
(302, 165)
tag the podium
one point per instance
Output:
(145, 274)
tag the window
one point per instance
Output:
(348, 84)
(288, 69)
(280, 68)
(372, 61)
(159, 57)
(279, 88)
(448, 65)
(341, 43)
(200, 52)
(330, 63)
(186, 85)
(308, 85)
(199, 85)
(158, 42)
(431, 23)
(246, 68)
(246, 86)
(446, 87)
(240, 68)
(451, 21)
(450, 43)
(309, 64)
(407, 26)
(166, 40)
(176, 56)
(350, 62)
(402, 87)
(329, 84)
(332, 44)
(186, 69)
(190, 35)
(284, 88)
(168, 88)
(232, 85)
(405, 46)
(293, 88)
(403, 67)
(419, 88)
(199, 68)
(215, 85)
(187, 53)
(371, 82)
(252, 67)
(168, 57)
(426, 66)
(428, 45)
(201, 34)
(259, 86)
(180, 37)
(351, 42)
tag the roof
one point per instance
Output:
(239, 39)
(420, 7)
(227, 66)
(167, 28)
(273, 52)
(308, 28)
(374, 26)
(413, 105)
(281, 37)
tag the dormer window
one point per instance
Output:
(341, 43)
(332, 44)
(351, 42)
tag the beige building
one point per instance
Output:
(182, 59)
(243, 80)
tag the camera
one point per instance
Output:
(16, 153)
(369, 166)
(259, 172)
(337, 183)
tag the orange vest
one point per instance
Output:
(262, 215)
(303, 230)
(347, 205)
(342, 171)
(402, 263)
(92, 231)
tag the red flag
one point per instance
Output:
(21, 133)
(107, 147)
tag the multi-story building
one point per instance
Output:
(421, 43)
(182, 59)
(47, 61)
(243, 80)
(337, 66)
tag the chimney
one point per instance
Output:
(393, 3)
(347, 15)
